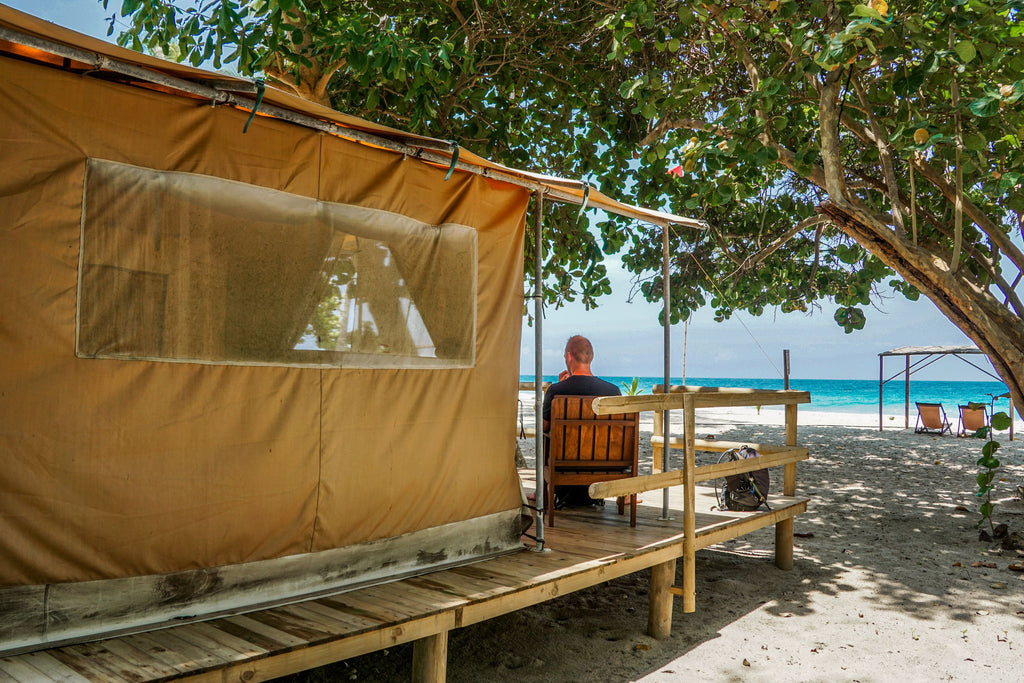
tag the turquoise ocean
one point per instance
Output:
(846, 395)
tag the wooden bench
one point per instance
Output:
(585, 448)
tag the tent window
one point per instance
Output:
(183, 267)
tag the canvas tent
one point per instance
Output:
(240, 367)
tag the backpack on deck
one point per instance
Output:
(745, 491)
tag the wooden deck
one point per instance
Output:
(589, 546)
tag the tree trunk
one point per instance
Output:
(990, 324)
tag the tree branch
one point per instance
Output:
(885, 157)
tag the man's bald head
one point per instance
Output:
(580, 349)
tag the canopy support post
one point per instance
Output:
(666, 419)
(881, 381)
(538, 362)
(906, 397)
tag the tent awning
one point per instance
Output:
(933, 350)
(36, 38)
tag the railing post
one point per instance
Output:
(784, 528)
(689, 503)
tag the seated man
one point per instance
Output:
(576, 380)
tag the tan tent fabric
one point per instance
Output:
(116, 468)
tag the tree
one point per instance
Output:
(900, 126)
(498, 77)
(833, 147)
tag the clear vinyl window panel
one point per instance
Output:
(184, 267)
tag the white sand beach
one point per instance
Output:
(890, 580)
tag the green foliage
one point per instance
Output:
(633, 388)
(727, 94)
(990, 464)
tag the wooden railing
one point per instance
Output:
(689, 399)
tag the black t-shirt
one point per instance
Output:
(578, 385)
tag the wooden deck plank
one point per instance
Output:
(350, 603)
(357, 622)
(96, 661)
(52, 668)
(421, 601)
(338, 625)
(159, 652)
(151, 668)
(467, 586)
(303, 629)
(167, 647)
(197, 636)
(226, 639)
(255, 638)
(300, 659)
(283, 640)
(15, 670)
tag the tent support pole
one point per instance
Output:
(666, 420)
(906, 397)
(881, 381)
(538, 363)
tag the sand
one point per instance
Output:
(890, 581)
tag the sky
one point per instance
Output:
(628, 340)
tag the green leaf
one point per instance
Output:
(989, 450)
(985, 106)
(975, 141)
(1001, 421)
(867, 11)
(850, 318)
(966, 51)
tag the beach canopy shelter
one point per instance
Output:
(252, 348)
(926, 356)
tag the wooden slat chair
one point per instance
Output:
(931, 417)
(973, 417)
(584, 448)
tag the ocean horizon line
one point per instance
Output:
(843, 395)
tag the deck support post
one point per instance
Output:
(784, 528)
(659, 615)
(430, 658)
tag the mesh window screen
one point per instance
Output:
(184, 267)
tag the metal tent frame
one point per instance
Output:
(930, 354)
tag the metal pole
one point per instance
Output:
(881, 381)
(538, 363)
(666, 420)
(906, 397)
(785, 369)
